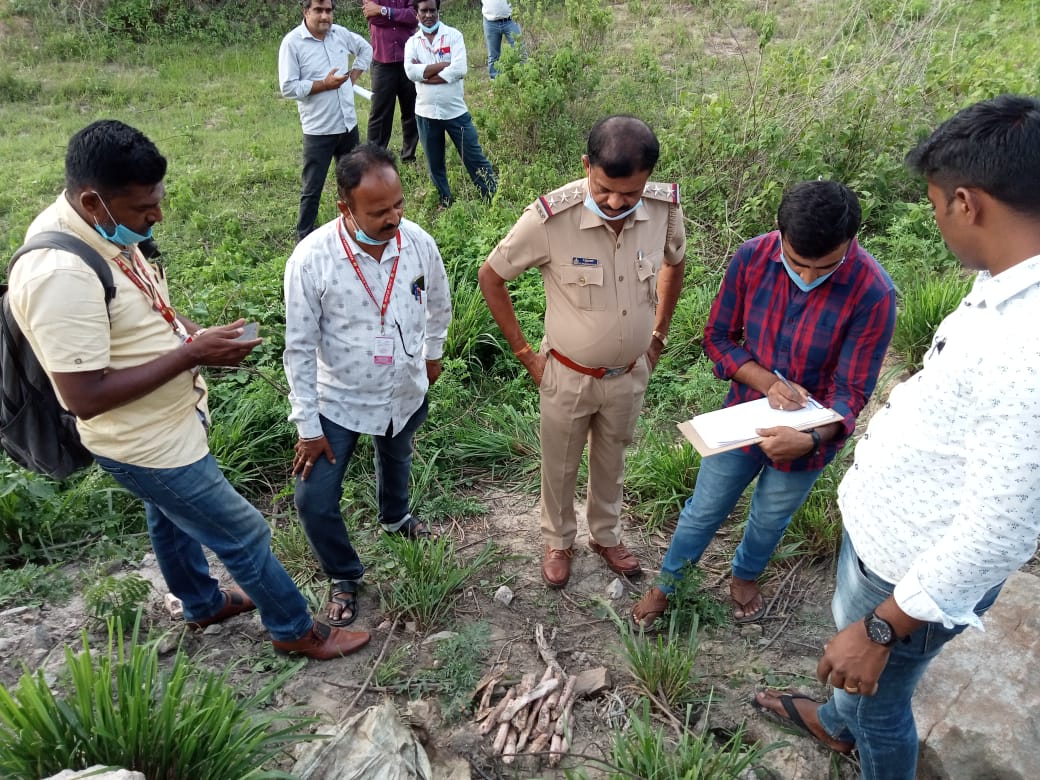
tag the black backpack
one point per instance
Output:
(35, 430)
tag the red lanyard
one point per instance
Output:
(148, 287)
(361, 276)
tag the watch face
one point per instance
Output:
(879, 631)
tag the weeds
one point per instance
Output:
(32, 585)
(117, 599)
(118, 706)
(662, 665)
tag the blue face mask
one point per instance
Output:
(121, 235)
(800, 282)
(592, 206)
(429, 30)
(361, 236)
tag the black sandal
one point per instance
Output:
(413, 528)
(344, 595)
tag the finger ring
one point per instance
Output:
(309, 463)
(851, 689)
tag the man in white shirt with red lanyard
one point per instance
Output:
(943, 500)
(435, 59)
(318, 64)
(130, 374)
(367, 312)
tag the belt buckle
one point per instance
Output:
(613, 372)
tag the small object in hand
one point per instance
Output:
(249, 332)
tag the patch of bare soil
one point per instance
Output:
(732, 663)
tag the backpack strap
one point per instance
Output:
(56, 239)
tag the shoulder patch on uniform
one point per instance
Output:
(559, 200)
(662, 191)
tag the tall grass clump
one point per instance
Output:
(661, 665)
(117, 706)
(922, 308)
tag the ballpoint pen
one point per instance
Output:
(809, 399)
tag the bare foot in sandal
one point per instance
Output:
(649, 608)
(748, 604)
(342, 609)
(798, 711)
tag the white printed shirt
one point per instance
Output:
(437, 101)
(304, 59)
(331, 327)
(944, 496)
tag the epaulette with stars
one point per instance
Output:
(572, 194)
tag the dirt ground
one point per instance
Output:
(733, 661)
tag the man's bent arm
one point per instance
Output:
(90, 393)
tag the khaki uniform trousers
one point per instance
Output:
(576, 408)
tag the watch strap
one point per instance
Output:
(816, 441)
(662, 337)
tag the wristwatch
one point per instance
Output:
(383, 10)
(815, 441)
(879, 630)
(663, 338)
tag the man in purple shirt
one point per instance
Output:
(803, 312)
(389, 26)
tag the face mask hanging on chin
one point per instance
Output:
(121, 235)
(592, 206)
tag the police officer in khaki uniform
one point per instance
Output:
(610, 248)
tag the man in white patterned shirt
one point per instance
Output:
(367, 312)
(943, 501)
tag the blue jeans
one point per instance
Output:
(721, 480)
(882, 726)
(464, 135)
(318, 497)
(318, 151)
(494, 31)
(194, 505)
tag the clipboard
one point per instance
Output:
(734, 426)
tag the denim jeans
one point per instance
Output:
(318, 151)
(391, 85)
(194, 505)
(494, 31)
(464, 135)
(721, 480)
(882, 726)
(318, 497)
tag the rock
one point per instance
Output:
(978, 704)
(168, 642)
(372, 745)
(615, 589)
(97, 772)
(173, 606)
(15, 612)
(504, 596)
(411, 627)
(29, 615)
(7, 646)
(41, 637)
(591, 682)
(440, 636)
(216, 629)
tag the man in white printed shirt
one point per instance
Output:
(435, 59)
(367, 312)
(315, 70)
(943, 501)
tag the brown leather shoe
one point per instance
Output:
(323, 642)
(556, 566)
(235, 603)
(619, 560)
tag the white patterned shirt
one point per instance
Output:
(944, 496)
(332, 325)
(437, 101)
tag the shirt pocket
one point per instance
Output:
(647, 268)
(584, 286)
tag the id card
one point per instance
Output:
(384, 351)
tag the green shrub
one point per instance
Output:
(117, 598)
(923, 306)
(117, 706)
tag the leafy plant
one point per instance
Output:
(429, 577)
(118, 706)
(662, 665)
(32, 584)
(117, 598)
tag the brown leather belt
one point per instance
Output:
(598, 373)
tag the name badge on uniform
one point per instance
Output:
(384, 351)
(584, 261)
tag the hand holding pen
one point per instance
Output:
(787, 395)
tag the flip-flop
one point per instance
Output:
(653, 605)
(794, 719)
(747, 617)
(344, 595)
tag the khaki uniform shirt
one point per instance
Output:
(600, 288)
(59, 304)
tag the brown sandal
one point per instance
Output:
(649, 609)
